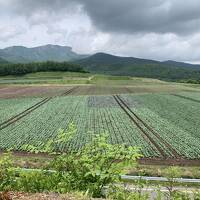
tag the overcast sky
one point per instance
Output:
(156, 29)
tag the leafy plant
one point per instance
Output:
(171, 174)
(121, 193)
(98, 164)
(7, 174)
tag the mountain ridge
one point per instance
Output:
(130, 66)
(101, 56)
(22, 54)
(103, 63)
(2, 61)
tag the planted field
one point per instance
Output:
(162, 125)
(45, 121)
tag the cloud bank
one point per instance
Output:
(159, 29)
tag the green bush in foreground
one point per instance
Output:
(96, 165)
(7, 174)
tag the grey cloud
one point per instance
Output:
(155, 46)
(9, 33)
(169, 29)
(133, 16)
(29, 7)
(40, 11)
(123, 16)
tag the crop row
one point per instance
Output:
(43, 124)
(171, 116)
(149, 134)
(11, 107)
(175, 119)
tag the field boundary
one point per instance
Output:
(169, 161)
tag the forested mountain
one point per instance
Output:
(115, 65)
(20, 54)
(2, 61)
(102, 63)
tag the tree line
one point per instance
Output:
(24, 68)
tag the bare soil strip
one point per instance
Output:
(144, 133)
(33, 91)
(162, 141)
(169, 162)
(143, 161)
(188, 98)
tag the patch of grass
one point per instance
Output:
(44, 81)
(57, 75)
(109, 77)
(48, 78)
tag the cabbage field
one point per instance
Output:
(162, 125)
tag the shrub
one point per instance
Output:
(7, 174)
(96, 165)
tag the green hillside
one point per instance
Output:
(2, 61)
(128, 66)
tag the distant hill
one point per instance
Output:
(21, 54)
(108, 59)
(116, 65)
(2, 61)
(180, 64)
(103, 63)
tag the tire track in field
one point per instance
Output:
(24, 113)
(151, 130)
(1, 124)
(144, 133)
(185, 97)
(69, 91)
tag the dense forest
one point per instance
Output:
(20, 69)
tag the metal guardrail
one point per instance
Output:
(128, 177)
(162, 179)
